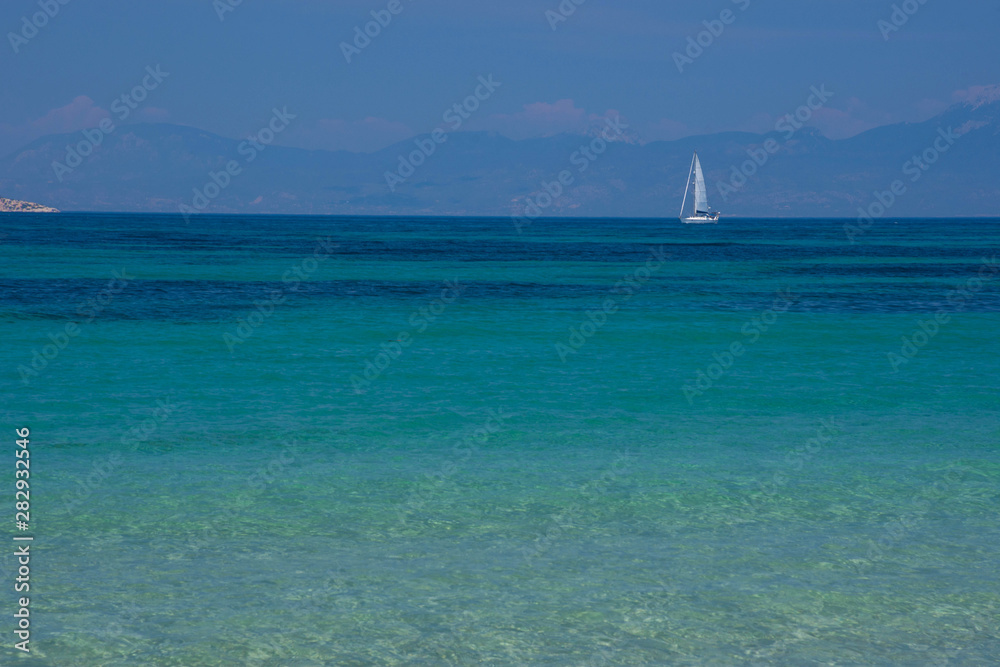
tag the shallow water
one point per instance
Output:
(521, 483)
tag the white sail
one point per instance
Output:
(701, 212)
(700, 192)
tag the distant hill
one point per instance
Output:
(157, 167)
(15, 206)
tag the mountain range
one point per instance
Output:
(947, 166)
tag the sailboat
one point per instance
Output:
(702, 213)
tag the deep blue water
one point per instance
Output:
(309, 441)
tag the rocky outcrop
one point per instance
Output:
(15, 206)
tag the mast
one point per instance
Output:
(688, 186)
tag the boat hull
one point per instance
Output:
(700, 219)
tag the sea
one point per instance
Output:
(468, 441)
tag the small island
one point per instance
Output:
(15, 206)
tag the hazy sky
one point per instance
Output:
(226, 74)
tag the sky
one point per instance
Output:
(556, 66)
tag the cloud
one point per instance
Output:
(977, 96)
(837, 124)
(79, 114)
(858, 117)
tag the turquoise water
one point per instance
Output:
(423, 450)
